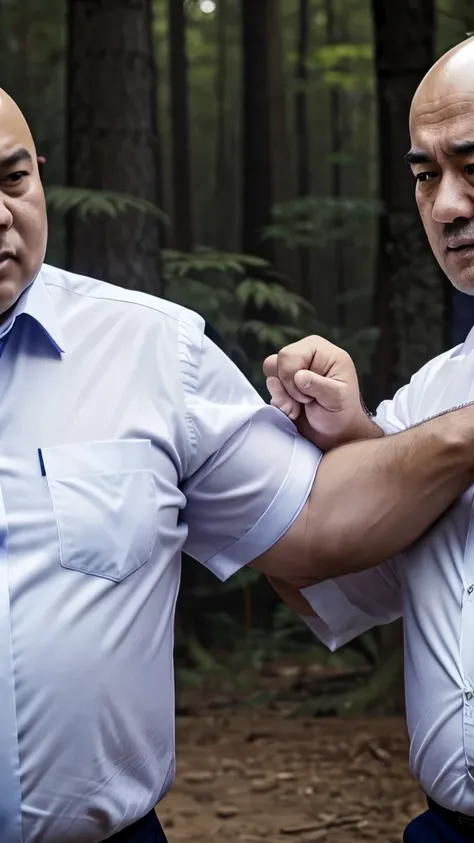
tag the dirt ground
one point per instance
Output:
(259, 774)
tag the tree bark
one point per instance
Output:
(257, 198)
(222, 151)
(112, 138)
(303, 170)
(180, 131)
(408, 297)
(281, 152)
(335, 133)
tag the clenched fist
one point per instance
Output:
(316, 385)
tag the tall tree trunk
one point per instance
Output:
(181, 145)
(159, 70)
(281, 167)
(222, 151)
(335, 133)
(257, 196)
(408, 298)
(112, 137)
(303, 170)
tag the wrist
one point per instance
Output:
(364, 426)
(361, 427)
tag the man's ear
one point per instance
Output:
(41, 164)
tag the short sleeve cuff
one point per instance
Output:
(338, 621)
(278, 517)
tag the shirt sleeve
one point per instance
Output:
(248, 473)
(350, 605)
(409, 404)
(393, 415)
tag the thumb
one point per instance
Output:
(329, 393)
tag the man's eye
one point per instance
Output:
(469, 169)
(15, 178)
(425, 176)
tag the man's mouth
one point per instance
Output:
(6, 255)
(460, 244)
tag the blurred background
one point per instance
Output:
(245, 158)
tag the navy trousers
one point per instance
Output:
(431, 828)
(147, 830)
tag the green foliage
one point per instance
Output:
(219, 286)
(315, 221)
(331, 55)
(90, 202)
(265, 294)
(346, 66)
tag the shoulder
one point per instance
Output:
(424, 377)
(419, 398)
(104, 300)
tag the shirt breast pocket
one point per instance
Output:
(104, 502)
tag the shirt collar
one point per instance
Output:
(36, 303)
(468, 343)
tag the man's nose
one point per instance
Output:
(6, 217)
(454, 199)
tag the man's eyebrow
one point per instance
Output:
(15, 157)
(417, 156)
(465, 147)
(458, 148)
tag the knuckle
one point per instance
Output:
(287, 365)
(284, 353)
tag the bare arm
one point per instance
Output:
(292, 596)
(373, 498)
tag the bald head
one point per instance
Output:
(450, 77)
(13, 122)
(23, 226)
(442, 160)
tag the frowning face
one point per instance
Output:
(23, 223)
(442, 161)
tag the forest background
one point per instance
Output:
(246, 158)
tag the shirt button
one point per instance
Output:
(470, 589)
(469, 695)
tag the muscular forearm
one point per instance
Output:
(372, 499)
(376, 498)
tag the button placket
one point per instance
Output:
(467, 636)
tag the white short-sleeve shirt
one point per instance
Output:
(432, 586)
(125, 436)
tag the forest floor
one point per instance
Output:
(248, 773)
